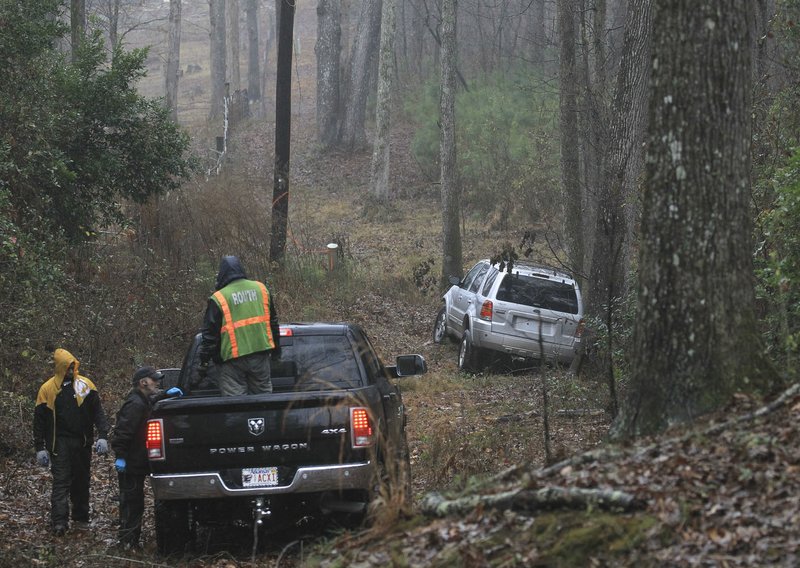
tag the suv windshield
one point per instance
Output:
(538, 293)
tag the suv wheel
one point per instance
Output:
(440, 326)
(469, 356)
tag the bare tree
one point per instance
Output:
(354, 101)
(329, 52)
(622, 164)
(270, 32)
(173, 65)
(216, 14)
(232, 43)
(570, 161)
(253, 59)
(77, 22)
(283, 130)
(696, 339)
(379, 180)
(452, 261)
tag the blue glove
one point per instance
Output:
(101, 447)
(43, 458)
(120, 464)
(174, 391)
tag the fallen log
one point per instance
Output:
(531, 501)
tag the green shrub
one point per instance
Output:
(778, 264)
(507, 145)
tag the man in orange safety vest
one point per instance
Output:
(240, 332)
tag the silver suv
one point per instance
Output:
(531, 311)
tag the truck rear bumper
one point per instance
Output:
(210, 485)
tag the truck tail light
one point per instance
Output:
(486, 310)
(580, 328)
(154, 443)
(360, 428)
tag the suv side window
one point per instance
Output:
(467, 282)
(489, 281)
(479, 278)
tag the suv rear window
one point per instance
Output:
(538, 293)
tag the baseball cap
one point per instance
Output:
(146, 371)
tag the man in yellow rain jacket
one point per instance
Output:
(240, 332)
(67, 411)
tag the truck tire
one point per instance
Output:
(440, 326)
(173, 533)
(470, 358)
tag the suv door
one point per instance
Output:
(464, 296)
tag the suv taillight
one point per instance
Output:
(360, 428)
(155, 440)
(581, 327)
(486, 310)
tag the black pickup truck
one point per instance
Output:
(322, 443)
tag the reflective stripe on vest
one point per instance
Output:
(229, 326)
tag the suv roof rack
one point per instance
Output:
(552, 271)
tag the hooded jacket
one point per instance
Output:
(79, 420)
(230, 271)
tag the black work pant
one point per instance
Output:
(131, 507)
(71, 470)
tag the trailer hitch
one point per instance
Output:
(261, 510)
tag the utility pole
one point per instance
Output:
(283, 127)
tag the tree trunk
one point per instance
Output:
(452, 262)
(622, 162)
(283, 130)
(380, 154)
(536, 29)
(232, 44)
(113, 24)
(77, 22)
(253, 59)
(269, 37)
(696, 339)
(570, 162)
(173, 65)
(329, 52)
(365, 45)
(216, 14)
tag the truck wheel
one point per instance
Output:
(469, 356)
(173, 533)
(440, 326)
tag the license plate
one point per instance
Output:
(260, 477)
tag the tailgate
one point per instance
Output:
(255, 431)
(521, 326)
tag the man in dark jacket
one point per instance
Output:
(67, 411)
(129, 444)
(240, 332)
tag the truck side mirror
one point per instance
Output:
(410, 365)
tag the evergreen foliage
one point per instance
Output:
(77, 140)
(779, 264)
(507, 143)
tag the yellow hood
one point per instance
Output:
(63, 360)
